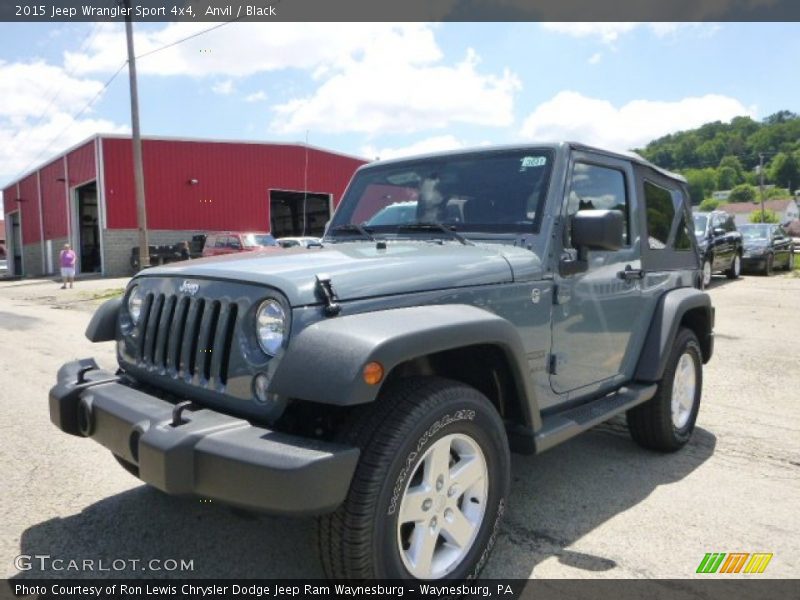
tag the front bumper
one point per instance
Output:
(758, 262)
(208, 454)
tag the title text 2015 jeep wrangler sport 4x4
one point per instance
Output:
(521, 296)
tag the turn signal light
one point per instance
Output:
(373, 373)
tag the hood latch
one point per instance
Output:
(325, 289)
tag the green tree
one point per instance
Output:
(709, 204)
(784, 170)
(743, 193)
(768, 216)
(732, 162)
(726, 178)
(701, 183)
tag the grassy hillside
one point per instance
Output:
(722, 156)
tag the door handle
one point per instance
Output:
(630, 274)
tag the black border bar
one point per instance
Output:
(399, 10)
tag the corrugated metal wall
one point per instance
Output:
(54, 201)
(9, 198)
(29, 208)
(80, 164)
(233, 182)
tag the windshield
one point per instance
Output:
(755, 232)
(492, 191)
(252, 240)
(700, 223)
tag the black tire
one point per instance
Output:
(360, 539)
(651, 424)
(735, 269)
(769, 265)
(128, 466)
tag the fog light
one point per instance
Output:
(373, 373)
(260, 385)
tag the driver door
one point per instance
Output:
(596, 311)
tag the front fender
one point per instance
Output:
(324, 363)
(103, 326)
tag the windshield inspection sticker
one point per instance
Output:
(529, 162)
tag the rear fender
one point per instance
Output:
(689, 306)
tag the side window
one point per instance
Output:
(595, 187)
(660, 215)
(664, 208)
(682, 233)
(729, 224)
(220, 243)
(234, 243)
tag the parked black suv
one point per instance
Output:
(719, 243)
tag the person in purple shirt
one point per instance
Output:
(67, 266)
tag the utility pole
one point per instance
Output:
(761, 185)
(138, 167)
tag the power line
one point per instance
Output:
(188, 37)
(87, 40)
(105, 86)
(73, 118)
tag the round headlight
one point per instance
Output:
(135, 304)
(270, 326)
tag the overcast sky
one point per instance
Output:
(384, 89)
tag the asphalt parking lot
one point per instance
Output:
(597, 506)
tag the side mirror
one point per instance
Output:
(597, 229)
(718, 231)
(592, 230)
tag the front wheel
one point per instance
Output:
(735, 269)
(430, 488)
(769, 265)
(666, 421)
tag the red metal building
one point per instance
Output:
(85, 196)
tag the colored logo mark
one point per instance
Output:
(734, 562)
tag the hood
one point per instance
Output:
(357, 270)
(754, 243)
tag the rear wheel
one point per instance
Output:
(735, 269)
(790, 262)
(706, 273)
(429, 490)
(666, 421)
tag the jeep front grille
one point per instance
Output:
(187, 338)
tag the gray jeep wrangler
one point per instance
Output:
(461, 306)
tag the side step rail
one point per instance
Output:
(561, 426)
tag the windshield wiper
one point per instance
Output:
(435, 225)
(354, 228)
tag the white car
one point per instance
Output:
(295, 242)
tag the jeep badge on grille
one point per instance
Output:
(189, 287)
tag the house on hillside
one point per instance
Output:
(787, 210)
